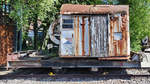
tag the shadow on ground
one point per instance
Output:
(63, 75)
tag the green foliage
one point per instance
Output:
(19, 13)
(111, 1)
(139, 22)
(25, 11)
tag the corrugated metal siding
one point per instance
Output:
(118, 35)
(82, 36)
(86, 36)
(96, 36)
(67, 40)
(99, 33)
(128, 34)
(67, 43)
(76, 34)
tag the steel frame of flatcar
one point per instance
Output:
(74, 63)
(15, 61)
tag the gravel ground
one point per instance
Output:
(74, 79)
(77, 80)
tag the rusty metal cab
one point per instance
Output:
(100, 31)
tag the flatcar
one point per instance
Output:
(92, 36)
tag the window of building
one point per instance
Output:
(117, 35)
(67, 24)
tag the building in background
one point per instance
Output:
(8, 33)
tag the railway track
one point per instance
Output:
(77, 73)
(68, 75)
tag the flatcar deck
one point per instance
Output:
(16, 61)
(72, 63)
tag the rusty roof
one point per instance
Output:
(90, 9)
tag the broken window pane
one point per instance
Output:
(117, 35)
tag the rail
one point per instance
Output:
(69, 75)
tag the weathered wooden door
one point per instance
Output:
(99, 36)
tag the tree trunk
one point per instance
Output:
(35, 32)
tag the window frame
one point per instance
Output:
(118, 36)
(69, 23)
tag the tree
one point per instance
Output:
(30, 11)
(25, 12)
(139, 22)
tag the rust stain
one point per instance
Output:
(89, 23)
(121, 47)
(117, 22)
(125, 32)
(77, 45)
(6, 42)
(114, 58)
(90, 9)
(118, 47)
(115, 48)
(75, 34)
(111, 37)
(83, 28)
